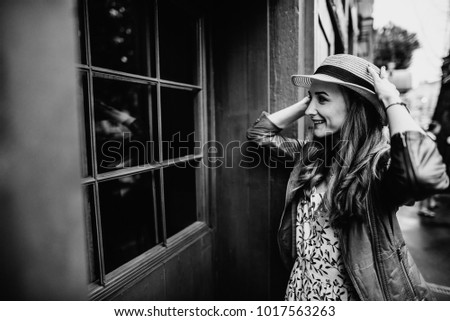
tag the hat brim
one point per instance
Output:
(306, 80)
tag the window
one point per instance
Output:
(142, 120)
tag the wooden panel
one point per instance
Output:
(151, 288)
(188, 275)
(241, 90)
(284, 62)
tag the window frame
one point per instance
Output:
(142, 265)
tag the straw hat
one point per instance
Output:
(349, 71)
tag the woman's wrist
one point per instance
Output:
(300, 107)
(391, 100)
(396, 105)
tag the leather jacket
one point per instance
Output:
(373, 249)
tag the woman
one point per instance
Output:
(339, 233)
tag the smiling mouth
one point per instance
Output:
(318, 121)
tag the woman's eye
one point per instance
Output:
(321, 99)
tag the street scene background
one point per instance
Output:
(426, 225)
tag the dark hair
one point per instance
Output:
(349, 159)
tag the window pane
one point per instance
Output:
(83, 101)
(91, 234)
(121, 124)
(180, 196)
(128, 218)
(178, 122)
(118, 34)
(178, 47)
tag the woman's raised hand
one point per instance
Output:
(386, 91)
(286, 116)
(399, 118)
(305, 101)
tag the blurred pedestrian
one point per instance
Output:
(427, 206)
(339, 234)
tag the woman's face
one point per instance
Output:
(327, 108)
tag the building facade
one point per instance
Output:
(153, 99)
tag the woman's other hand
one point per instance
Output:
(386, 91)
(399, 117)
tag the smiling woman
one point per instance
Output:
(327, 107)
(339, 234)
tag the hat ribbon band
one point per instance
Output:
(344, 75)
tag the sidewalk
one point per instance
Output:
(429, 242)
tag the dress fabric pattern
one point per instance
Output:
(318, 273)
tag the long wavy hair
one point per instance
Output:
(349, 160)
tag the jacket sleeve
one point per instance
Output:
(266, 134)
(416, 169)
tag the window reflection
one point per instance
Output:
(123, 119)
(117, 34)
(178, 122)
(127, 216)
(180, 196)
(121, 124)
(177, 34)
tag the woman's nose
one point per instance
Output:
(311, 110)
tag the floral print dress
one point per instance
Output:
(318, 273)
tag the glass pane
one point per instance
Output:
(178, 122)
(180, 196)
(128, 218)
(121, 124)
(177, 34)
(118, 34)
(85, 132)
(81, 32)
(91, 237)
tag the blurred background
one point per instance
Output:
(126, 174)
(413, 40)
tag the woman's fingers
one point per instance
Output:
(383, 73)
(306, 100)
(383, 87)
(373, 73)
